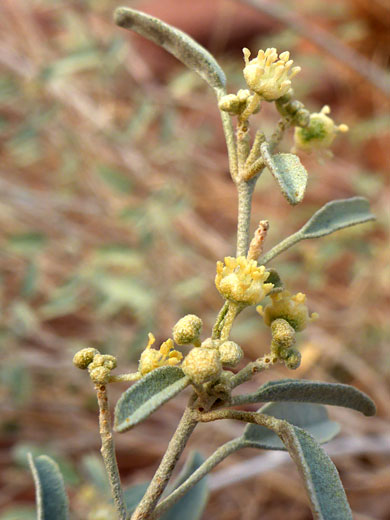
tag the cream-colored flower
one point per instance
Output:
(242, 281)
(319, 133)
(152, 358)
(269, 75)
(293, 309)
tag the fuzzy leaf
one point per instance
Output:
(289, 172)
(192, 504)
(301, 390)
(335, 215)
(182, 46)
(142, 399)
(312, 417)
(322, 481)
(52, 502)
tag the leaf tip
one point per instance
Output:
(123, 17)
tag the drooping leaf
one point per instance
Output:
(192, 504)
(148, 394)
(336, 215)
(133, 495)
(322, 481)
(312, 417)
(182, 46)
(288, 171)
(333, 216)
(301, 390)
(52, 502)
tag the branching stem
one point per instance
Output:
(108, 451)
(245, 192)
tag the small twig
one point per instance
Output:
(108, 451)
(219, 321)
(124, 377)
(279, 248)
(233, 310)
(245, 192)
(230, 142)
(251, 369)
(161, 477)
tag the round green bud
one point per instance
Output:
(230, 353)
(84, 357)
(187, 329)
(293, 360)
(202, 365)
(283, 334)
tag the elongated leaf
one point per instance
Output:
(333, 216)
(52, 502)
(143, 398)
(337, 214)
(192, 504)
(302, 390)
(322, 481)
(182, 46)
(312, 417)
(289, 172)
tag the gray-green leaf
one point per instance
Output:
(322, 481)
(133, 495)
(52, 502)
(311, 417)
(333, 216)
(301, 390)
(288, 171)
(148, 394)
(178, 43)
(192, 504)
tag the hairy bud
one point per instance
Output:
(293, 360)
(84, 357)
(230, 353)
(187, 329)
(202, 365)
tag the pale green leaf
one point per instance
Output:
(96, 473)
(301, 390)
(312, 417)
(288, 171)
(133, 495)
(333, 216)
(52, 502)
(192, 504)
(336, 215)
(182, 46)
(148, 394)
(322, 481)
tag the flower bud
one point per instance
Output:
(293, 360)
(202, 365)
(230, 353)
(99, 375)
(292, 309)
(187, 329)
(282, 333)
(84, 357)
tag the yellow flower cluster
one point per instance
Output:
(319, 133)
(242, 281)
(152, 358)
(269, 75)
(293, 309)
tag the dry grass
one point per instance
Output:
(116, 203)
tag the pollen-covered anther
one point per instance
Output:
(242, 281)
(202, 365)
(187, 330)
(151, 358)
(319, 133)
(269, 75)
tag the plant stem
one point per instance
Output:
(251, 369)
(245, 192)
(161, 477)
(219, 321)
(240, 415)
(108, 451)
(220, 454)
(125, 377)
(233, 309)
(279, 248)
(230, 143)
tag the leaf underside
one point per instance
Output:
(290, 174)
(301, 390)
(312, 417)
(322, 481)
(52, 502)
(148, 394)
(176, 42)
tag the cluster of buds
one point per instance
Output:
(236, 104)
(99, 365)
(242, 281)
(269, 75)
(319, 133)
(283, 339)
(152, 358)
(293, 309)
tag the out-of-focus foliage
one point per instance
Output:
(116, 202)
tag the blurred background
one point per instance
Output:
(116, 203)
